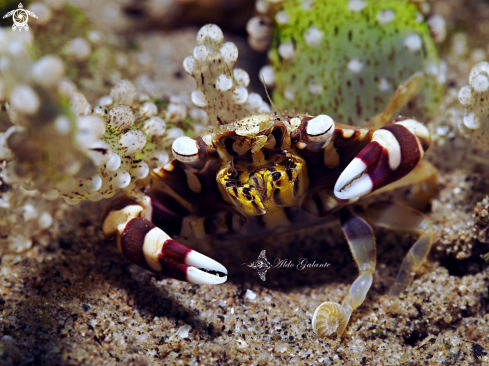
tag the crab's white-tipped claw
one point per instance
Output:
(195, 275)
(199, 260)
(353, 182)
(394, 151)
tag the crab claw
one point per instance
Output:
(394, 151)
(149, 247)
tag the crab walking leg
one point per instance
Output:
(394, 151)
(146, 245)
(394, 216)
(331, 317)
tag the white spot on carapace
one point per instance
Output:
(386, 16)
(313, 36)
(384, 85)
(289, 94)
(357, 5)
(286, 50)
(355, 65)
(472, 121)
(413, 42)
(315, 88)
(282, 17)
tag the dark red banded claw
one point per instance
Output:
(149, 247)
(394, 151)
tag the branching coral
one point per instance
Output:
(221, 91)
(346, 58)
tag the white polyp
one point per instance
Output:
(148, 109)
(48, 71)
(282, 17)
(320, 128)
(264, 108)
(472, 121)
(307, 4)
(357, 5)
(210, 32)
(141, 171)
(255, 101)
(174, 133)
(45, 220)
(93, 184)
(113, 163)
(132, 141)
(100, 111)
(355, 65)
(29, 212)
(289, 94)
(163, 158)
(240, 95)
(419, 17)
(100, 152)
(386, 16)
(261, 6)
(95, 196)
(189, 64)
(42, 11)
(286, 50)
(24, 100)
(223, 83)
(90, 129)
(480, 83)
(313, 36)
(154, 126)
(62, 125)
(201, 53)
(242, 77)
(230, 53)
(199, 115)
(315, 88)
(105, 101)
(384, 85)
(185, 149)
(79, 49)
(442, 74)
(123, 179)
(413, 42)
(70, 201)
(437, 28)
(465, 96)
(176, 112)
(123, 92)
(267, 75)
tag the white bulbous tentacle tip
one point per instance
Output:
(328, 318)
(353, 181)
(210, 33)
(185, 149)
(320, 128)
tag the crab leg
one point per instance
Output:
(331, 317)
(146, 245)
(394, 151)
(402, 218)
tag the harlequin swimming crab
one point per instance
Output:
(266, 172)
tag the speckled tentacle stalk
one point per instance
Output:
(330, 317)
(402, 218)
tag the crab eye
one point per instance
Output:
(185, 149)
(320, 128)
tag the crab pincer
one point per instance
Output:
(149, 247)
(394, 151)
